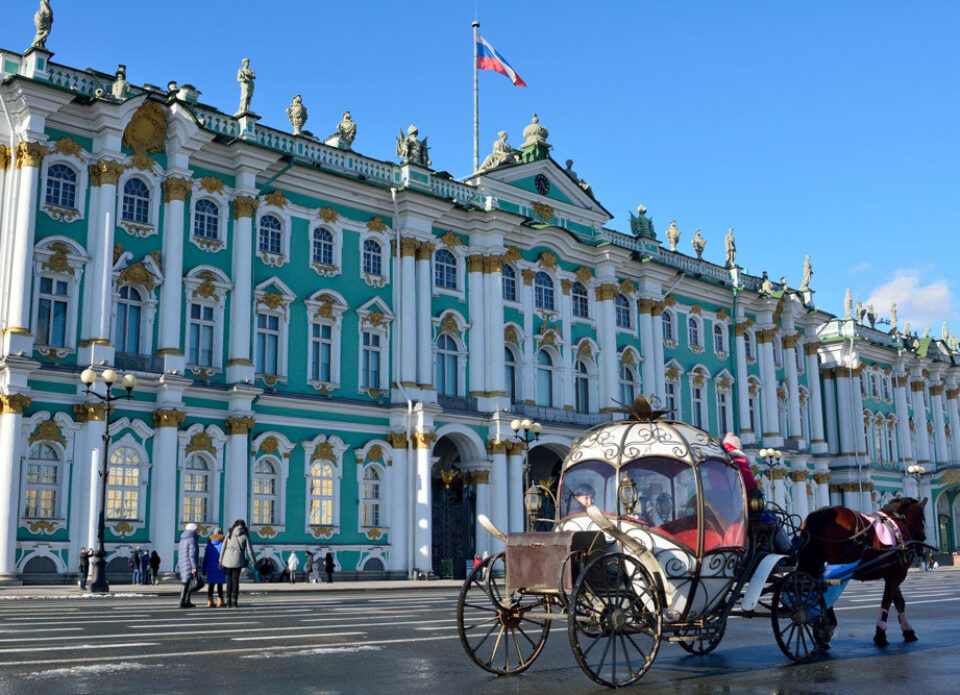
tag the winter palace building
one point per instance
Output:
(333, 346)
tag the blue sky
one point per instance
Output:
(810, 127)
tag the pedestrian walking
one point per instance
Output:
(210, 566)
(308, 565)
(145, 568)
(235, 555)
(84, 567)
(133, 562)
(293, 562)
(187, 562)
(155, 567)
(328, 567)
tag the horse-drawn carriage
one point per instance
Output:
(651, 543)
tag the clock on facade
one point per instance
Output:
(542, 184)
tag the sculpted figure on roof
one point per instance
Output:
(245, 76)
(502, 153)
(43, 21)
(412, 150)
(297, 113)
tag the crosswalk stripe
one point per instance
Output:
(263, 637)
(71, 647)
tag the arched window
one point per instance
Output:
(196, 489)
(510, 373)
(581, 305)
(891, 442)
(445, 270)
(372, 258)
(53, 308)
(322, 246)
(748, 345)
(129, 308)
(666, 320)
(370, 360)
(321, 493)
(43, 482)
(718, 338)
(370, 511)
(123, 484)
(622, 306)
(61, 186)
(582, 388)
(265, 492)
(879, 445)
(509, 279)
(447, 366)
(886, 388)
(865, 385)
(544, 378)
(206, 219)
(875, 385)
(627, 385)
(136, 201)
(543, 291)
(270, 238)
(693, 332)
(778, 351)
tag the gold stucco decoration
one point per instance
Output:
(206, 289)
(584, 350)
(512, 254)
(548, 338)
(211, 184)
(584, 274)
(239, 425)
(376, 319)
(510, 335)
(243, 206)
(275, 198)
(68, 146)
(548, 260)
(137, 274)
(48, 431)
(722, 313)
(58, 262)
(29, 154)
(376, 224)
(89, 412)
(176, 188)
(147, 129)
(448, 324)
(4, 157)
(628, 360)
(627, 287)
(323, 452)
(328, 214)
(168, 417)
(450, 239)
(201, 441)
(270, 445)
(272, 300)
(543, 212)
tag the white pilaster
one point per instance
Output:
(818, 443)
(408, 317)
(515, 486)
(240, 368)
(939, 423)
(648, 375)
(659, 367)
(499, 491)
(476, 296)
(607, 338)
(528, 369)
(236, 468)
(163, 485)
(920, 422)
(768, 375)
(399, 504)
(423, 531)
(10, 455)
(482, 536)
(171, 292)
(496, 382)
(795, 430)
(907, 453)
(424, 314)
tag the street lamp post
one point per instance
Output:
(916, 472)
(771, 459)
(98, 582)
(525, 430)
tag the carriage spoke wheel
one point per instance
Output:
(501, 634)
(614, 620)
(707, 639)
(798, 609)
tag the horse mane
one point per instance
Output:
(899, 504)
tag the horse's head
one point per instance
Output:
(910, 511)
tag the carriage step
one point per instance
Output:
(545, 616)
(688, 638)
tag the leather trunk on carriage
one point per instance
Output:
(534, 559)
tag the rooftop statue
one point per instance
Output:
(297, 113)
(859, 312)
(573, 175)
(945, 332)
(245, 76)
(926, 332)
(673, 235)
(906, 330)
(120, 86)
(893, 317)
(730, 245)
(698, 243)
(535, 145)
(807, 274)
(641, 225)
(847, 305)
(766, 284)
(43, 21)
(871, 316)
(502, 153)
(411, 150)
(346, 133)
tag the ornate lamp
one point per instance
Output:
(629, 494)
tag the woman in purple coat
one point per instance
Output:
(187, 562)
(211, 567)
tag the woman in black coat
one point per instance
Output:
(328, 567)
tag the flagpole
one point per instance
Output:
(476, 103)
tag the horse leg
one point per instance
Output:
(908, 634)
(880, 636)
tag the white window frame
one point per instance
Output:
(68, 429)
(363, 462)
(755, 405)
(631, 307)
(127, 440)
(553, 287)
(316, 307)
(380, 499)
(281, 456)
(459, 354)
(44, 267)
(704, 412)
(218, 440)
(148, 312)
(330, 449)
(79, 166)
(154, 186)
(197, 284)
(58, 488)
(273, 286)
(514, 351)
(378, 326)
(223, 220)
(461, 328)
(778, 358)
(749, 346)
(459, 273)
(719, 330)
(726, 424)
(517, 285)
(383, 278)
(276, 260)
(332, 269)
(669, 340)
(554, 370)
(674, 382)
(586, 296)
(698, 346)
(590, 376)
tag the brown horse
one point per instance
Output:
(839, 535)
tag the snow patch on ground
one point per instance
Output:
(58, 597)
(94, 670)
(315, 652)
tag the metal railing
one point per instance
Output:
(457, 403)
(545, 414)
(133, 362)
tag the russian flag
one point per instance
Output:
(489, 59)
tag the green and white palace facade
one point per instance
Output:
(333, 346)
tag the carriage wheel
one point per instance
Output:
(797, 611)
(496, 630)
(707, 640)
(614, 620)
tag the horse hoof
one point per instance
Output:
(880, 638)
(910, 636)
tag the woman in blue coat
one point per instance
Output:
(187, 562)
(211, 567)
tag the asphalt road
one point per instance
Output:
(406, 641)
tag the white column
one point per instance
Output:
(777, 476)
(528, 369)
(847, 423)
(236, 469)
(743, 387)
(239, 365)
(408, 317)
(830, 408)
(907, 453)
(822, 490)
(515, 486)
(399, 503)
(920, 422)
(568, 398)
(79, 483)
(424, 314)
(659, 366)
(818, 442)
(795, 430)
(953, 412)
(175, 191)
(607, 338)
(163, 485)
(768, 376)
(92, 458)
(499, 491)
(423, 532)
(648, 374)
(101, 231)
(496, 382)
(939, 423)
(11, 417)
(482, 537)
(476, 297)
(799, 491)
(28, 158)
